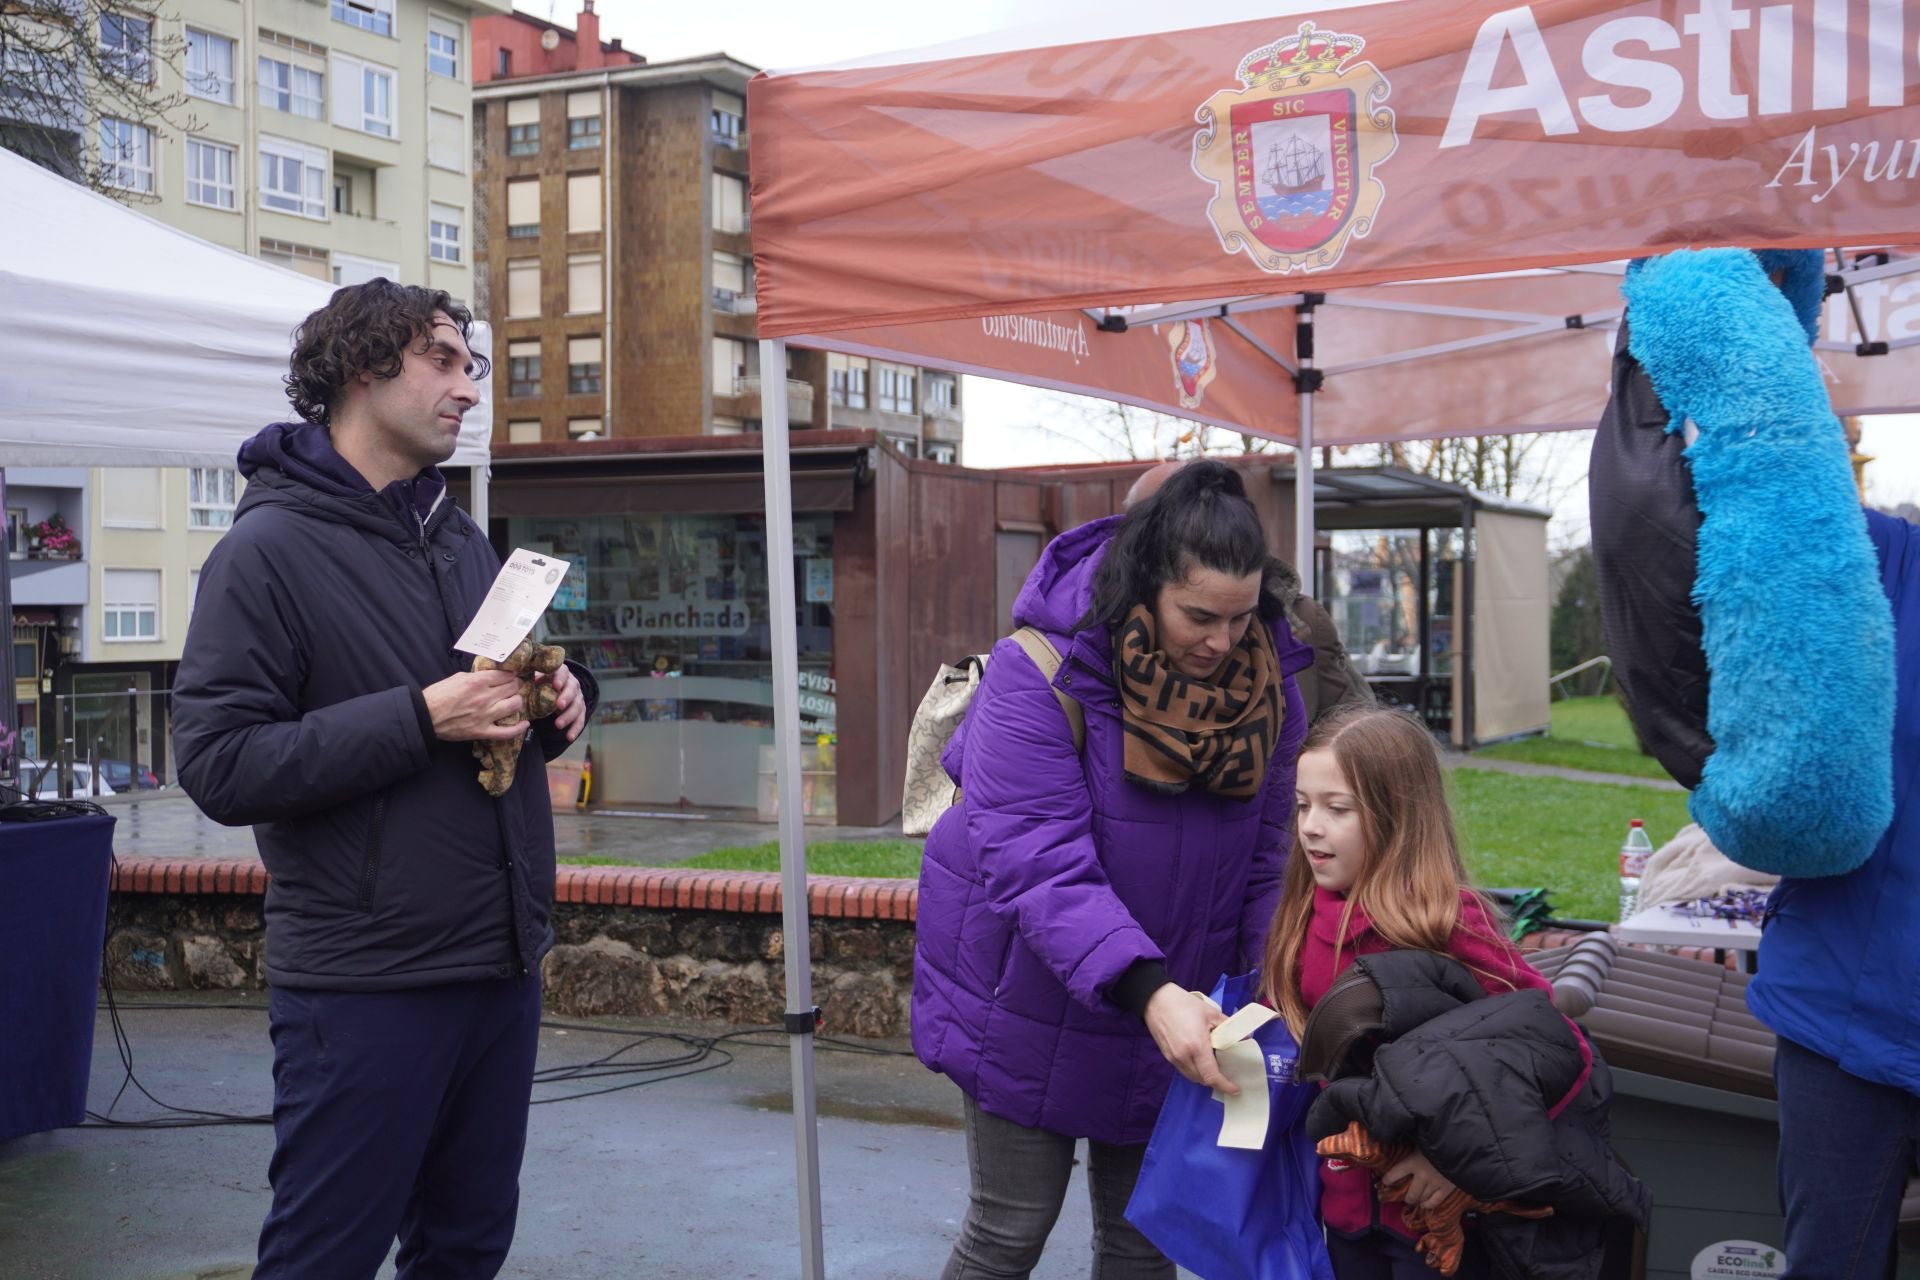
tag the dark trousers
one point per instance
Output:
(398, 1113)
(1846, 1148)
(1019, 1182)
(1382, 1255)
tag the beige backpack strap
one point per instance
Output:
(1047, 658)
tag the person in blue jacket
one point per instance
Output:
(1839, 983)
(1766, 634)
(320, 699)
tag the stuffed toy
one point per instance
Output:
(1442, 1233)
(537, 699)
(1740, 591)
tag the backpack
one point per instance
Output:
(929, 791)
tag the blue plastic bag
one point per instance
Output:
(1229, 1214)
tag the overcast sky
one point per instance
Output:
(786, 34)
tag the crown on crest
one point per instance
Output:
(1292, 59)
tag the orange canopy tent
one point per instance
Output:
(1324, 225)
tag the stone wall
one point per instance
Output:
(628, 941)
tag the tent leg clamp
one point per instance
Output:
(801, 1024)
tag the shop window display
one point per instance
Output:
(671, 614)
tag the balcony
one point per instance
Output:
(746, 400)
(48, 582)
(728, 302)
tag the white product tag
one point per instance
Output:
(1244, 1124)
(515, 601)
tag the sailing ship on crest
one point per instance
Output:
(1294, 165)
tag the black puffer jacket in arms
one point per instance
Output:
(1477, 1083)
(321, 617)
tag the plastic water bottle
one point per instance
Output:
(1633, 864)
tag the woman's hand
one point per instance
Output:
(1180, 1022)
(1426, 1186)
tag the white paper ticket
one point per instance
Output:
(1244, 1124)
(515, 601)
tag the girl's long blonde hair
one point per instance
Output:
(1411, 879)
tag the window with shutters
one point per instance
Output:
(443, 233)
(523, 368)
(728, 121)
(583, 121)
(583, 283)
(523, 208)
(130, 604)
(293, 178)
(583, 366)
(523, 127)
(523, 288)
(446, 140)
(729, 203)
(583, 203)
(443, 47)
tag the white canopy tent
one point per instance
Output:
(127, 342)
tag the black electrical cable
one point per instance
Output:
(697, 1056)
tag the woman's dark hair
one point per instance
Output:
(1201, 517)
(366, 328)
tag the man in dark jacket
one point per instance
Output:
(320, 699)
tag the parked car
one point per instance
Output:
(124, 775)
(41, 780)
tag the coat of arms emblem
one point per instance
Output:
(1193, 361)
(1291, 153)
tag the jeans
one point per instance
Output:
(1019, 1178)
(1846, 1148)
(1382, 1255)
(398, 1113)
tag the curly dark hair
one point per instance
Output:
(1200, 517)
(366, 328)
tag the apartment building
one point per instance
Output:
(616, 255)
(100, 611)
(330, 136)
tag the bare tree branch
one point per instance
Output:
(81, 90)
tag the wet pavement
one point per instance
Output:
(171, 826)
(683, 1179)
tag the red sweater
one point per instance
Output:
(1347, 1202)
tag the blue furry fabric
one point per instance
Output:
(1797, 628)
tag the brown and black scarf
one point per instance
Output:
(1179, 729)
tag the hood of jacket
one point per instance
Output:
(295, 463)
(1059, 591)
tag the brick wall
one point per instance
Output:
(664, 254)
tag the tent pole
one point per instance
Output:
(1306, 381)
(477, 494)
(801, 1016)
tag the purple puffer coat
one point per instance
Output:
(1054, 874)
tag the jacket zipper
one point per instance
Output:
(370, 869)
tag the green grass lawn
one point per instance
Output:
(1516, 833)
(1586, 733)
(1522, 833)
(897, 858)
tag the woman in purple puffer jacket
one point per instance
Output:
(1069, 903)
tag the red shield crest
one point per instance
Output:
(1294, 167)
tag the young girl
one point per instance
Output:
(1375, 867)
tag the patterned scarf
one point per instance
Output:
(1220, 732)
